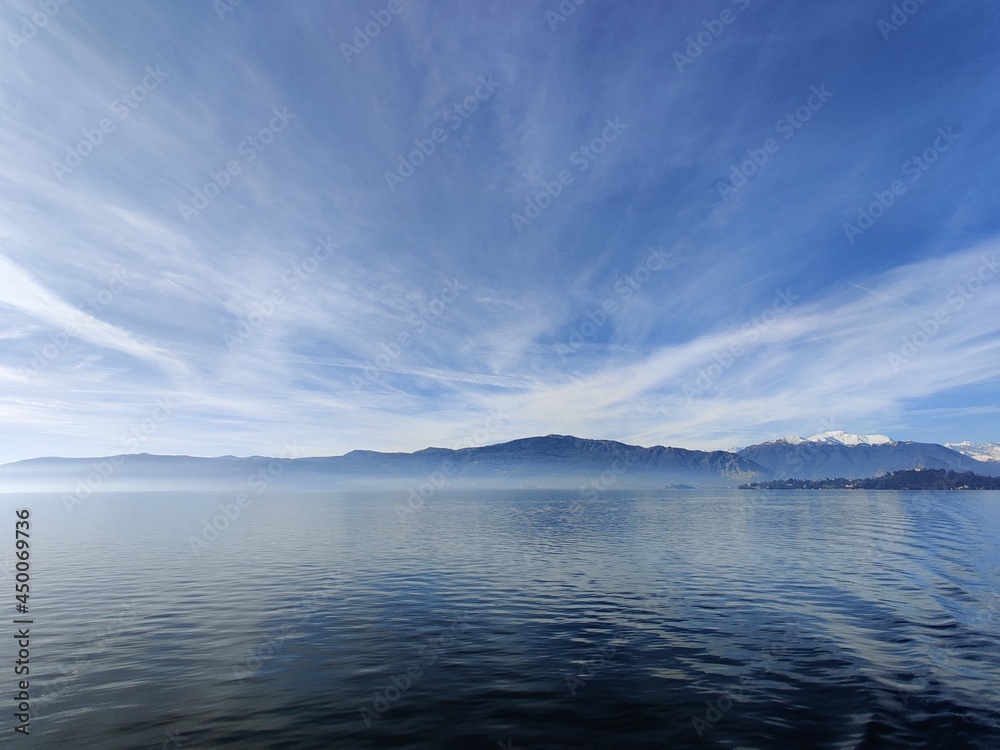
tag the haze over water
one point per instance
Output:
(640, 620)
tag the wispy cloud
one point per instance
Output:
(428, 305)
(25, 294)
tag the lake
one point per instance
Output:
(521, 619)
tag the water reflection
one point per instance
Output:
(677, 618)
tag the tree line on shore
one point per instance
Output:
(908, 479)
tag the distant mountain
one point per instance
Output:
(833, 437)
(841, 454)
(549, 462)
(553, 461)
(541, 456)
(845, 438)
(978, 451)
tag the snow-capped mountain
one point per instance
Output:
(839, 437)
(846, 438)
(978, 451)
(552, 461)
(841, 454)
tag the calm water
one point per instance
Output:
(642, 620)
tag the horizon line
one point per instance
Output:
(734, 450)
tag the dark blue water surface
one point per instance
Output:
(527, 619)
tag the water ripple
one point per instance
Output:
(641, 620)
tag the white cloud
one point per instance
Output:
(22, 292)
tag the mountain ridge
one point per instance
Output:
(550, 461)
(978, 451)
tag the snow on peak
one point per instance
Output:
(846, 438)
(978, 451)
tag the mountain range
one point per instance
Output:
(552, 461)
(978, 451)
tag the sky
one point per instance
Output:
(302, 228)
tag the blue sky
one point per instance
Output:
(265, 228)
